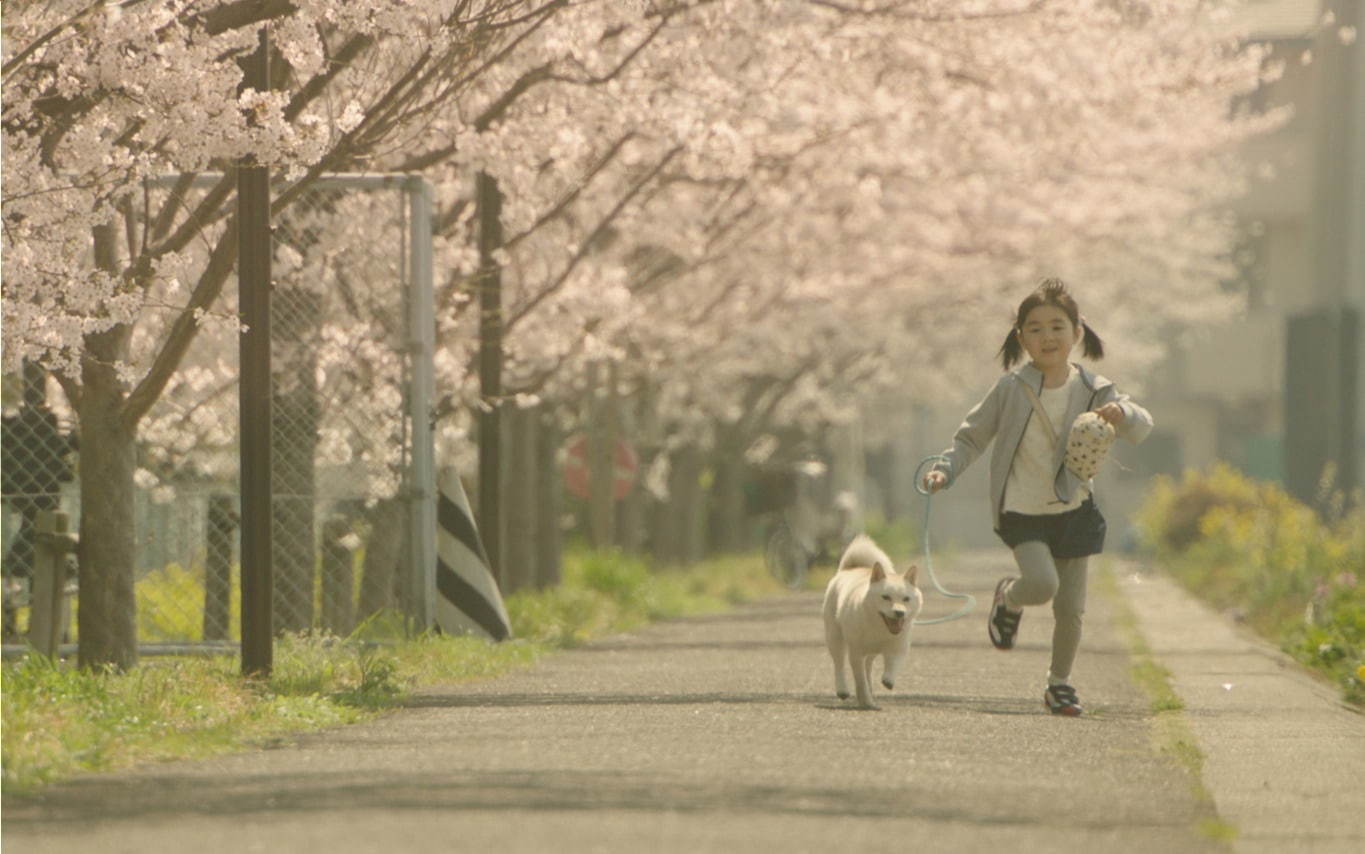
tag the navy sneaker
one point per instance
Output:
(1061, 700)
(1004, 623)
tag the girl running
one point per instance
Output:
(1041, 509)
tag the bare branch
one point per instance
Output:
(243, 13)
(898, 11)
(578, 189)
(588, 244)
(523, 83)
(184, 328)
(339, 63)
(74, 20)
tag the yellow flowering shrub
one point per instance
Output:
(1251, 549)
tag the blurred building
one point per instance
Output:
(1280, 394)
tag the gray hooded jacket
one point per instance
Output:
(1003, 416)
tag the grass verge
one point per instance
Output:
(59, 721)
(1290, 572)
(1171, 733)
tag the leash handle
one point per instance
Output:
(969, 601)
(919, 472)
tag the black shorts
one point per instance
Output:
(1075, 533)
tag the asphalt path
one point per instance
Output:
(708, 734)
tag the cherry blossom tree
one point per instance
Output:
(871, 185)
(99, 96)
(761, 211)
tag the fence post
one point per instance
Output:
(421, 391)
(52, 542)
(549, 503)
(254, 418)
(489, 205)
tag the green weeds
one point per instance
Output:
(1249, 548)
(59, 721)
(609, 591)
(1171, 732)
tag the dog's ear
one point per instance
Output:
(878, 572)
(912, 573)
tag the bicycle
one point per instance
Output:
(788, 556)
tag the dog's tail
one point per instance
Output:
(863, 553)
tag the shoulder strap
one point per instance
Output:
(1038, 408)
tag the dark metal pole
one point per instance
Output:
(489, 200)
(253, 271)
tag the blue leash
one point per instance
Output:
(969, 600)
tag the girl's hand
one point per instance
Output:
(934, 481)
(1111, 412)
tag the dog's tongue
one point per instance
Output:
(894, 626)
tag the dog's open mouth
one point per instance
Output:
(894, 624)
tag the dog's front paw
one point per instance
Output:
(889, 684)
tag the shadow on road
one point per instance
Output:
(97, 801)
(978, 704)
(505, 701)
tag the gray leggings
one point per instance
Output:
(1063, 581)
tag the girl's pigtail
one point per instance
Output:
(1094, 347)
(1012, 351)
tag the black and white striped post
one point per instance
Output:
(450, 568)
(467, 599)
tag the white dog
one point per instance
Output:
(868, 611)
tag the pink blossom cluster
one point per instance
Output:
(744, 204)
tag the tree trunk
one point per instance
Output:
(603, 433)
(630, 510)
(630, 521)
(108, 547)
(108, 460)
(382, 552)
(490, 370)
(664, 537)
(727, 508)
(519, 510)
(665, 524)
(549, 502)
(649, 438)
(847, 473)
(338, 578)
(687, 504)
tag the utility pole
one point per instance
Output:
(1323, 406)
(253, 271)
(489, 202)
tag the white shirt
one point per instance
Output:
(1029, 487)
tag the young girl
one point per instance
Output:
(1042, 510)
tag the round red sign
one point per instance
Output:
(624, 468)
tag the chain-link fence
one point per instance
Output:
(352, 480)
(37, 467)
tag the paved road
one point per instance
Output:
(713, 734)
